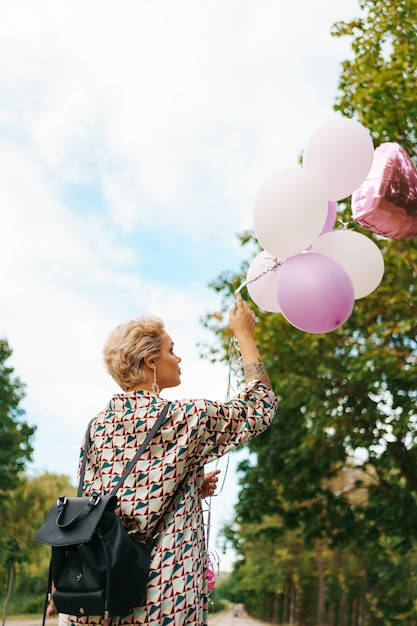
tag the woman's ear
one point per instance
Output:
(149, 362)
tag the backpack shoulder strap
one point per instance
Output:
(84, 461)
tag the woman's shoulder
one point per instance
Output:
(188, 405)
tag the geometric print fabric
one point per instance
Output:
(193, 433)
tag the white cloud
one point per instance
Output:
(155, 97)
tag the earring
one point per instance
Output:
(155, 387)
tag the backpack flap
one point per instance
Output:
(72, 521)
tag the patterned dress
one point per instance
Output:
(193, 433)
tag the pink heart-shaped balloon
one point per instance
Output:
(386, 202)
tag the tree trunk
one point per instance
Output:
(275, 608)
(320, 585)
(342, 611)
(330, 615)
(292, 603)
(354, 618)
(9, 592)
(285, 616)
(361, 616)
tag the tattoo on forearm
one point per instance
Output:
(258, 371)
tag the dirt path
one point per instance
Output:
(229, 618)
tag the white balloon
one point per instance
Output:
(340, 154)
(262, 282)
(358, 255)
(290, 212)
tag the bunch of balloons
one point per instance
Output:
(308, 271)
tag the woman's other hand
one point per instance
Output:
(51, 610)
(209, 485)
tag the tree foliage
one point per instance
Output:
(378, 84)
(338, 465)
(15, 452)
(21, 517)
(15, 434)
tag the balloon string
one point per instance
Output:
(272, 268)
(235, 369)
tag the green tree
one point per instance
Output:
(22, 516)
(13, 555)
(378, 84)
(32, 500)
(15, 451)
(350, 394)
(15, 434)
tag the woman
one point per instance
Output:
(140, 357)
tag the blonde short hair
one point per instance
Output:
(127, 346)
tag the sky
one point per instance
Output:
(134, 136)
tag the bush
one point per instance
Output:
(22, 604)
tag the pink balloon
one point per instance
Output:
(314, 292)
(386, 202)
(340, 154)
(261, 283)
(331, 217)
(359, 256)
(289, 212)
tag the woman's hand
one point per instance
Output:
(209, 484)
(242, 319)
(51, 610)
(242, 323)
